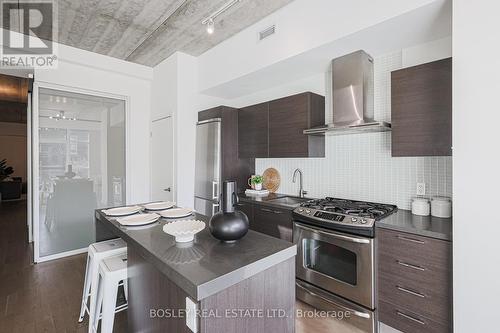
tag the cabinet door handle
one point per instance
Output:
(410, 318)
(413, 240)
(271, 211)
(411, 292)
(405, 264)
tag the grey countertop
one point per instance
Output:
(401, 220)
(205, 266)
(429, 226)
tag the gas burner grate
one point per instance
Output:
(351, 207)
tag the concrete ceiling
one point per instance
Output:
(149, 31)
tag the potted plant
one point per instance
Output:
(257, 182)
(9, 188)
(5, 170)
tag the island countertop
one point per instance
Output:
(205, 266)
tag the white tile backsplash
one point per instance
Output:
(360, 166)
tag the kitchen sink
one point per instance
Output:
(289, 201)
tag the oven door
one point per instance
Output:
(336, 262)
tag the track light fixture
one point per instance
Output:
(210, 26)
(210, 20)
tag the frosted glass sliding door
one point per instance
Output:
(80, 143)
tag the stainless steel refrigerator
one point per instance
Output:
(208, 167)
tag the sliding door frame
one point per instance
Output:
(35, 160)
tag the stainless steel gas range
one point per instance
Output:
(335, 261)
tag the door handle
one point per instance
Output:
(411, 292)
(354, 312)
(215, 190)
(405, 264)
(271, 211)
(168, 189)
(215, 208)
(408, 239)
(334, 235)
(410, 318)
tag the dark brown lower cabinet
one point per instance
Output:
(414, 282)
(276, 222)
(246, 208)
(272, 221)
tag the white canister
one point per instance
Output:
(420, 206)
(441, 207)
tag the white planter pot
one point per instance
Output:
(258, 187)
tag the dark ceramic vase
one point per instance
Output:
(229, 227)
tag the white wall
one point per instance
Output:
(175, 94)
(476, 162)
(102, 74)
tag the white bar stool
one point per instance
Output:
(96, 253)
(111, 271)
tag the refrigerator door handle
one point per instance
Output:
(215, 190)
(215, 208)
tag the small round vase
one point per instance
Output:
(229, 226)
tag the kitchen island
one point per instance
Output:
(246, 286)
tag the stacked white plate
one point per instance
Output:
(176, 213)
(139, 219)
(160, 205)
(122, 211)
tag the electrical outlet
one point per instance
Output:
(420, 188)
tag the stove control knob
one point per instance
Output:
(308, 211)
(363, 221)
(354, 220)
(301, 210)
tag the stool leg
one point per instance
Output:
(95, 286)
(109, 305)
(94, 313)
(86, 288)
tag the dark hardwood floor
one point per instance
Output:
(41, 297)
(46, 297)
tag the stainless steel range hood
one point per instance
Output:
(351, 97)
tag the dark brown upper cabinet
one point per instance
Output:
(253, 131)
(274, 129)
(421, 110)
(288, 118)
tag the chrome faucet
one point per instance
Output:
(301, 188)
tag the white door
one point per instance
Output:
(162, 150)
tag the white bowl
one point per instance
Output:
(184, 230)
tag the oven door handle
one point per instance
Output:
(338, 236)
(354, 312)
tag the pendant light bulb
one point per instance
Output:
(210, 26)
